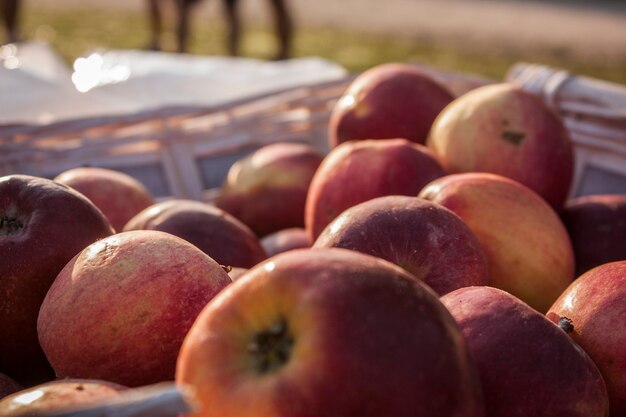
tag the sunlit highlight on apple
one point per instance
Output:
(29, 397)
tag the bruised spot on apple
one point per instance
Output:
(505, 130)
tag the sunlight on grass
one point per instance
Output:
(75, 34)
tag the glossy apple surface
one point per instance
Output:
(358, 171)
(388, 101)
(328, 332)
(425, 238)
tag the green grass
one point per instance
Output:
(73, 34)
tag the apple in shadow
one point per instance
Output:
(43, 224)
(528, 365)
(218, 234)
(597, 228)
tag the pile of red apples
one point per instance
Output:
(430, 264)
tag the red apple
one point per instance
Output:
(358, 171)
(120, 309)
(42, 226)
(426, 239)
(328, 332)
(267, 189)
(117, 194)
(284, 240)
(593, 308)
(528, 251)
(388, 101)
(218, 234)
(56, 396)
(597, 227)
(528, 366)
(505, 130)
(8, 386)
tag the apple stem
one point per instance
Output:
(566, 324)
(272, 348)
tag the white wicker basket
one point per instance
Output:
(594, 113)
(178, 152)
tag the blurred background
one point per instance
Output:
(483, 37)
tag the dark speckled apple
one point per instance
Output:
(218, 234)
(42, 226)
(120, 309)
(328, 332)
(425, 238)
(528, 365)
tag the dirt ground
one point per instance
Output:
(593, 29)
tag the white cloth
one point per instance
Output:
(37, 87)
